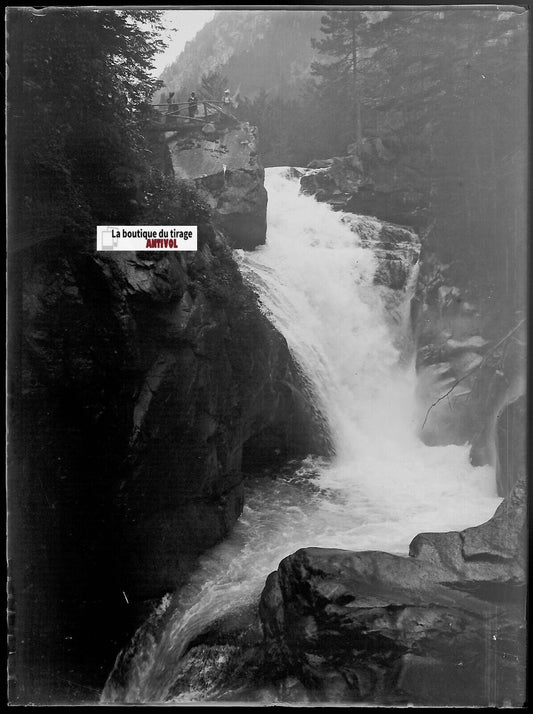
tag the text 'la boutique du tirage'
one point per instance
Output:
(127, 238)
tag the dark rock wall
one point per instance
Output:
(144, 376)
(469, 368)
(511, 437)
(471, 304)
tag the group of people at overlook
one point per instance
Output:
(193, 103)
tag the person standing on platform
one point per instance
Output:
(193, 105)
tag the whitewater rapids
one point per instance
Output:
(382, 487)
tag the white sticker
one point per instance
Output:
(113, 238)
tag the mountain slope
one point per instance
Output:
(254, 49)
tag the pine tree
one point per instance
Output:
(79, 111)
(341, 77)
(212, 86)
(450, 89)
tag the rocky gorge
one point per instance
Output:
(443, 626)
(471, 351)
(255, 472)
(168, 365)
(147, 380)
(446, 625)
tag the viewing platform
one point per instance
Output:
(176, 117)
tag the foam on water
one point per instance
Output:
(315, 282)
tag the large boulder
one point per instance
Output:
(444, 627)
(373, 180)
(488, 555)
(228, 174)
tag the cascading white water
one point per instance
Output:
(315, 282)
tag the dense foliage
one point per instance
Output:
(413, 71)
(340, 86)
(212, 86)
(79, 100)
(452, 87)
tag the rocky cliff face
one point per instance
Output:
(227, 172)
(469, 368)
(443, 627)
(215, 375)
(147, 379)
(470, 339)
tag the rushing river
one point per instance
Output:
(315, 283)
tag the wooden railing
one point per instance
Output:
(177, 114)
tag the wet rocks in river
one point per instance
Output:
(367, 182)
(396, 248)
(442, 627)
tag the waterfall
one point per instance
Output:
(315, 282)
